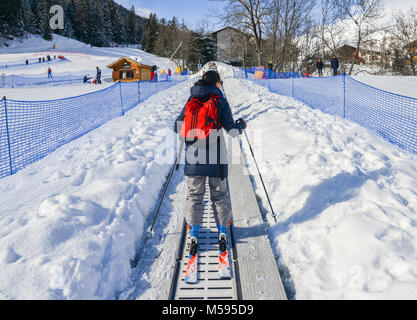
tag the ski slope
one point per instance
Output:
(81, 57)
(72, 224)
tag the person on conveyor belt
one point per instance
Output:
(199, 124)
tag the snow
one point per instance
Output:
(402, 85)
(48, 92)
(81, 57)
(72, 222)
(345, 199)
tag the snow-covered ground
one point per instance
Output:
(50, 92)
(71, 223)
(82, 57)
(347, 201)
(402, 85)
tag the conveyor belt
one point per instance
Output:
(208, 285)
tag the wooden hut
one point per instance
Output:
(126, 69)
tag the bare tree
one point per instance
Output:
(331, 28)
(288, 19)
(364, 14)
(404, 36)
(248, 15)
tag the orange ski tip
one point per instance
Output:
(188, 227)
(223, 259)
(230, 222)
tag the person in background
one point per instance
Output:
(319, 66)
(27, 62)
(85, 80)
(49, 73)
(169, 74)
(153, 72)
(306, 74)
(98, 76)
(40, 59)
(335, 65)
(270, 70)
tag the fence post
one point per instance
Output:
(121, 97)
(344, 95)
(292, 85)
(8, 135)
(138, 91)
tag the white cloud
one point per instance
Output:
(143, 12)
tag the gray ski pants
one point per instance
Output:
(219, 195)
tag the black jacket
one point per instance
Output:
(335, 63)
(319, 64)
(211, 167)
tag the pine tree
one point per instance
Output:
(131, 26)
(69, 16)
(46, 30)
(97, 34)
(151, 34)
(28, 16)
(37, 17)
(107, 21)
(119, 28)
(80, 22)
(14, 17)
(4, 26)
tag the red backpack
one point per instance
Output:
(200, 118)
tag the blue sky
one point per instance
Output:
(192, 11)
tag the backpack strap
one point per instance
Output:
(216, 102)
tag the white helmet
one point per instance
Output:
(211, 66)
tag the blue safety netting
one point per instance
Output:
(36, 80)
(267, 73)
(391, 116)
(32, 62)
(30, 130)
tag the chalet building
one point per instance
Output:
(368, 54)
(232, 46)
(126, 69)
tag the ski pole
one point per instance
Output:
(175, 166)
(260, 176)
(257, 167)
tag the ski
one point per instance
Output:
(224, 259)
(191, 273)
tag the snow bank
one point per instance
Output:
(402, 85)
(345, 199)
(71, 223)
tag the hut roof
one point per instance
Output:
(121, 60)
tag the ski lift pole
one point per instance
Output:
(260, 176)
(176, 51)
(176, 166)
